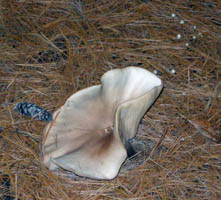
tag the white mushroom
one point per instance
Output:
(90, 132)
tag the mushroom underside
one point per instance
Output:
(90, 134)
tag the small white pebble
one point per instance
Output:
(173, 71)
(155, 71)
(181, 21)
(178, 36)
(187, 44)
(194, 37)
(194, 27)
(182, 140)
(200, 34)
(173, 15)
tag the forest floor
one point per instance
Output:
(49, 49)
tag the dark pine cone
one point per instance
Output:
(34, 111)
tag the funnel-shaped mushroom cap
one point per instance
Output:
(90, 132)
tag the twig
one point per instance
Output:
(212, 97)
(199, 129)
(27, 134)
(158, 144)
(77, 4)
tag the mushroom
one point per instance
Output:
(89, 134)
